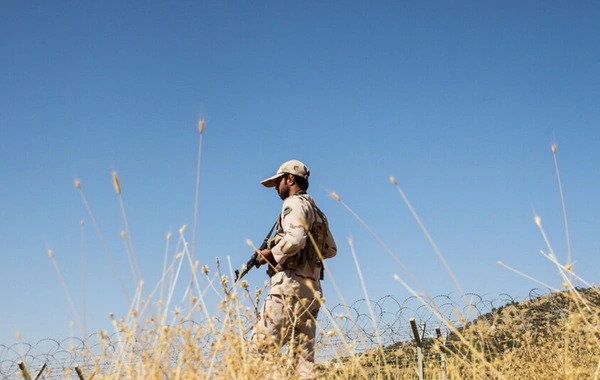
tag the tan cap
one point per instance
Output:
(294, 167)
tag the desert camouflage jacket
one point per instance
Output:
(298, 212)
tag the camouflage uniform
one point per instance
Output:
(290, 310)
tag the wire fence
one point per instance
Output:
(364, 324)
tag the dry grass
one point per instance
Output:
(553, 337)
(518, 341)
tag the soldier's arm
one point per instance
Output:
(294, 217)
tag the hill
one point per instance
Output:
(553, 336)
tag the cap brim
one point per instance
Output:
(271, 181)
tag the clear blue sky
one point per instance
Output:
(460, 101)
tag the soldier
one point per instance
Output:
(294, 257)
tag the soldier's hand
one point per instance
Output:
(264, 257)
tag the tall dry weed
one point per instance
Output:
(553, 337)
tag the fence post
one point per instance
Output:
(24, 370)
(26, 374)
(79, 372)
(40, 372)
(442, 342)
(419, 342)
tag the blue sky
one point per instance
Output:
(460, 101)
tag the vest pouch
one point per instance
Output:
(272, 242)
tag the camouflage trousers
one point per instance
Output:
(292, 321)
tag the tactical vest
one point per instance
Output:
(312, 253)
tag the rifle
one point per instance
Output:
(254, 259)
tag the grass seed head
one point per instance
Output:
(201, 125)
(224, 281)
(116, 182)
(334, 196)
(393, 180)
(569, 267)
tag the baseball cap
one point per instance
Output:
(294, 167)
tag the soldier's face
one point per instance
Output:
(282, 188)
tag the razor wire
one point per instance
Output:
(343, 330)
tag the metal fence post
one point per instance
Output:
(79, 372)
(24, 370)
(26, 374)
(442, 342)
(419, 342)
